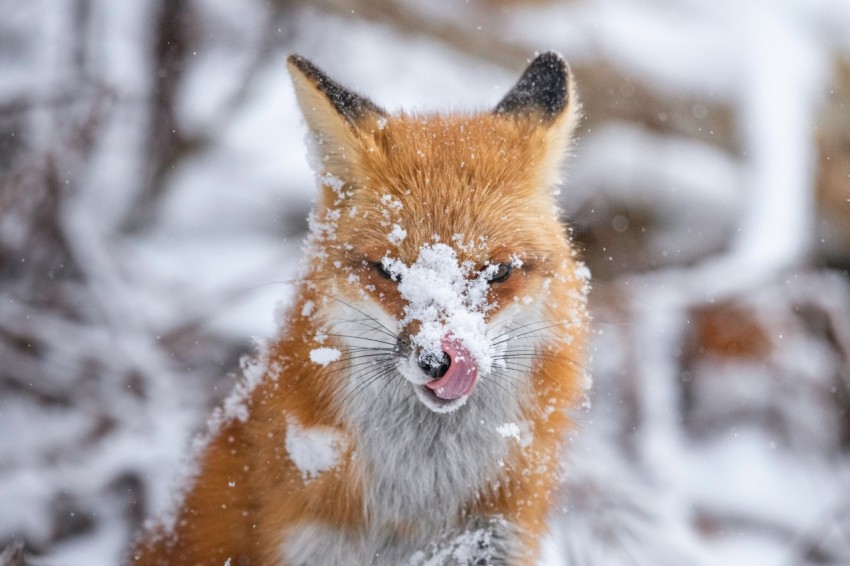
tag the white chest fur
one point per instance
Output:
(423, 466)
(420, 469)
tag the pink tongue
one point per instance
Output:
(462, 375)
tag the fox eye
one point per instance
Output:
(503, 271)
(379, 267)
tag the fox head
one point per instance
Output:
(440, 234)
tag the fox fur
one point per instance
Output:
(339, 450)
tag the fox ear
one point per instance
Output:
(544, 89)
(545, 96)
(334, 114)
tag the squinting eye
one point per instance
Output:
(379, 267)
(503, 271)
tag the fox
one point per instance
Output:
(414, 406)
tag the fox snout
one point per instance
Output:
(436, 367)
(443, 379)
(450, 373)
(444, 326)
(457, 372)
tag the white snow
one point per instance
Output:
(391, 202)
(397, 235)
(474, 546)
(521, 432)
(446, 298)
(313, 450)
(508, 430)
(334, 182)
(307, 308)
(324, 356)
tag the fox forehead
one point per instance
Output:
(471, 181)
(455, 151)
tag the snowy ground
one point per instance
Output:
(137, 261)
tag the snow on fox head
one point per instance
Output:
(440, 233)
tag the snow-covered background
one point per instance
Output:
(153, 196)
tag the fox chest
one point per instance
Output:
(426, 468)
(422, 471)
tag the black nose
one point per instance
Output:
(435, 368)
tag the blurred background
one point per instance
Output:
(153, 196)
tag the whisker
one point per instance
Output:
(389, 381)
(386, 330)
(360, 321)
(361, 338)
(499, 384)
(524, 367)
(361, 387)
(505, 374)
(556, 324)
(520, 327)
(357, 379)
(545, 321)
(372, 361)
(559, 360)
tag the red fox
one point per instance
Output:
(414, 407)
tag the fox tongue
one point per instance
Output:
(460, 379)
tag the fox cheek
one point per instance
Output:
(386, 297)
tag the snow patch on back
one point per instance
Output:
(313, 450)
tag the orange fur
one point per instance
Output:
(488, 177)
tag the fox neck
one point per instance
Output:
(421, 467)
(418, 463)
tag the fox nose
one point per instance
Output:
(435, 368)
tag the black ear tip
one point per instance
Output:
(306, 67)
(348, 103)
(543, 86)
(557, 63)
(551, 59)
